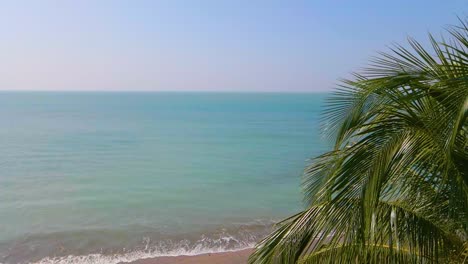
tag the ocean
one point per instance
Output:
(105, 177)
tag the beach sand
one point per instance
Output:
(236, 257)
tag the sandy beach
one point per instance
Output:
(236, 257)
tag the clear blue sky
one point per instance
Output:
(203, 45)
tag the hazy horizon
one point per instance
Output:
(167, 91)
(266, 46)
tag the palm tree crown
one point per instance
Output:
(394, 189)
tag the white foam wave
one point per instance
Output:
(131, 256)
(183, 248)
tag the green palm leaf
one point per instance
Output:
(395, 187)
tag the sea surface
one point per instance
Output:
(95, 177)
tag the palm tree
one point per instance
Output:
(394, 189)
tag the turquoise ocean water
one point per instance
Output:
(89, 177)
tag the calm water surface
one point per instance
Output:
(106, 177)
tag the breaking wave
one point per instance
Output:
(115, 247)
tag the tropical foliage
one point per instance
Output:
(394, 189)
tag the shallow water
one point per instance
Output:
(106, 177)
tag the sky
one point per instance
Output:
(300, 46)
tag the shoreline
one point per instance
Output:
(221, 245)
(229, 257)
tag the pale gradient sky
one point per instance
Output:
(203, 45)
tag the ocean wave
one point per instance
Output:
(131, 256)
(150, 245)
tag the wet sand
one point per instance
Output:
(236, 257)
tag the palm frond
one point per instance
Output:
(395, 186)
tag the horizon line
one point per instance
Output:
(163, 91)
